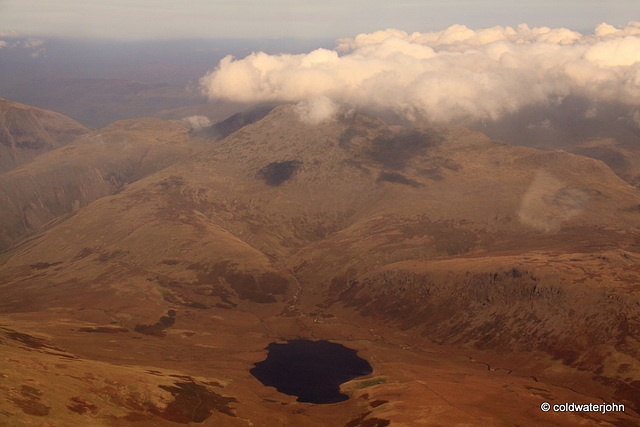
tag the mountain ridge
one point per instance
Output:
(26, 132)
(61, 181)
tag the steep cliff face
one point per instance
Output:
(26, 132)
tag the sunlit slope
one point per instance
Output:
(348, 195)
(303, 183)
(95, 165)
(26, 132)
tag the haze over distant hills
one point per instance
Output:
(99, 82)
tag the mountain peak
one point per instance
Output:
(26, 132)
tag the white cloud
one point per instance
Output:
(448, 75)
(316, 110)
(32, 43)
(197, 122)
(548, 203)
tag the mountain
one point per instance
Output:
(237, 121)
(478, 279)
(623, 159)
(95, 165)
(26, 132)
(606, 131)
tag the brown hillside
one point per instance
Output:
(478, 279)
(26, 132)
(95, 165)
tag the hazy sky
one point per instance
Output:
(171, 19)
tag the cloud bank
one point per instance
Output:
(455, 74)
(35, 46)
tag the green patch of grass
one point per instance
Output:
(370, 382)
